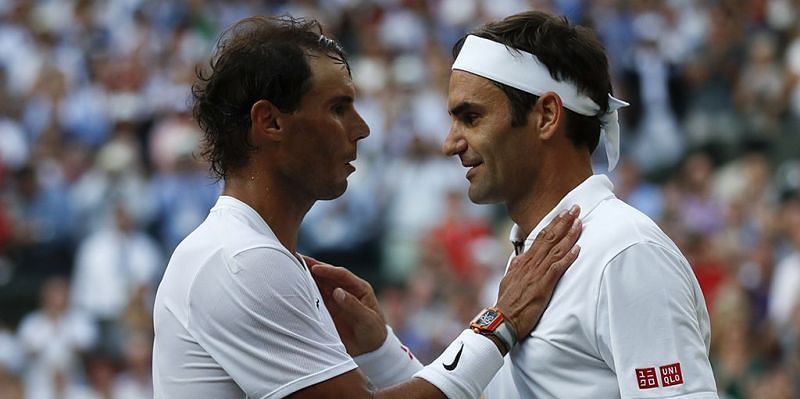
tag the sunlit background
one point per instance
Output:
(100, 178)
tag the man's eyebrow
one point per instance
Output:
(345, 98)
(460, 108)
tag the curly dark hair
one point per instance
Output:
(570, 52)
(256, 58)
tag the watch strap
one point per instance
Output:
(504, 333)
(499, 328)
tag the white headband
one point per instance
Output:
(523, 71)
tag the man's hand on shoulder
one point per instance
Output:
(353, 306)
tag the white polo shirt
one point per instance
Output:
(627, 319)
(237, 315)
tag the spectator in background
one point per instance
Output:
(738, 364)
(748, 194)
(420, 181)
(711, 73)
(100, 369)
(710, 270)
(643, 195)
(182, 189)
(42, 224)
(86, 116)
(111, 265)
(11, 363)
(455, 235)
(700, 211)
(785, 295)
(10, 387)
(44, 104)
(53, 338)
(655, 83)
(755, 276)
(776, 384)
(116, 177)
(793, 73)
(14, 142)
(761, 88)
(792, 347)
(136, 381)
(6, 223)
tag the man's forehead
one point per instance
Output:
(468, 87)
(329, 73)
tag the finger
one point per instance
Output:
(558, 268)
(348, 306)
(341, 277)
(325, 288)
(562, 247)
(552, 233)
(318, 273)
(310, 262)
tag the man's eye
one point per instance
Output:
(470, 118)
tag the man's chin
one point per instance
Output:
(481, 197)
(333, 192)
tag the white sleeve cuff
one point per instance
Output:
(390, 364)
(465, 368)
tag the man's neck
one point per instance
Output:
(280, 208)
(549, 189)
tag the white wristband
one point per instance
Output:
(465, 368)
(390, 364)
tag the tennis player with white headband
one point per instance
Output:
(529, 97)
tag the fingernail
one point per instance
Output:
(574, 210)
(338, 295)
(575, 249)
(563, 213)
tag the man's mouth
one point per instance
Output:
(472, 166)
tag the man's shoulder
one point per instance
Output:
(616, 225)
(225, 231)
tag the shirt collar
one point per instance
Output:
(587, 195)
(226, 201)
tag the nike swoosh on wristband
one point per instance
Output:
(452, 366)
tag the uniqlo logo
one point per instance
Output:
(671, 375)
(647, 378)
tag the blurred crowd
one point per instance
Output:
(100, 176)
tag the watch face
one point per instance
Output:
(487, 317)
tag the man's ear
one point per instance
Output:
(549, 113)
(264, 119)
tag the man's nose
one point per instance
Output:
(361, 129)
(454, 143)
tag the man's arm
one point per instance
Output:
(524, 294)
(354, 385)
(652, 324)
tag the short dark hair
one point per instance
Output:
(256, 58)
(570, 52)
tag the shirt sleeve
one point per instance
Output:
(259, 315)
(653, 326)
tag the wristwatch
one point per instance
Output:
(490, 321)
